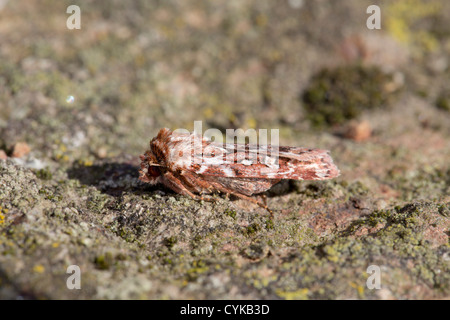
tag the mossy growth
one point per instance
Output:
(104, 261)
(170, 242)
(252, 229)
(44, 174)
(340, 94)
(443, 102)
(231, 213)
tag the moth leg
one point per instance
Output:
(194, 182)
(264, 198)
(176, 185)
(198, 184)
(242, 196)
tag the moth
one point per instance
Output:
(194, 166)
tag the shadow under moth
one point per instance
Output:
(196, 167)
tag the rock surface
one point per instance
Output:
(88, 101)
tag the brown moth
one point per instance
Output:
(194, 166)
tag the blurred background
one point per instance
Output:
(78, 106)
(134, 68)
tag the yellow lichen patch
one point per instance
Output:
(198, 270)
(251, 123)
(261, 20)
(301, 294)
(88, 163)
(39, 268)
(401, 17)
(208, 113)
(359, 289)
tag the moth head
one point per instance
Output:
(150, 168)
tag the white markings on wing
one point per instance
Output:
(228, 172)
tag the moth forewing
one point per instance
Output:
(289, 163)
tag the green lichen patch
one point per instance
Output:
(428, 182)
(104, 261)
(44, 174)
(20, 187)
(393, 240)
